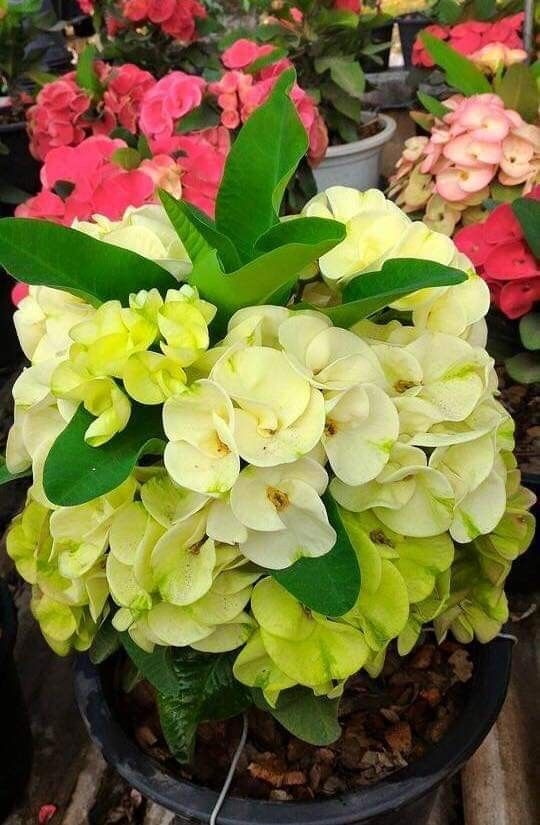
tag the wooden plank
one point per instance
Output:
(501, 783)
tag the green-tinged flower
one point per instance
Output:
(424, 612)
(28, 541)
(183, 322)
(145, 230)
(295, 646)
(476, 608)
(202, 453)
(276, 514)
(151, 378)
(65, 628)
(279, 417)
(43, 321)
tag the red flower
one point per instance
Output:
(510, 261)
(471, 240)
(420, 55)
(518, 298)
(502, 226)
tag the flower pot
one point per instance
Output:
(409, 25)
(524, 575)
(15, 739)
(381, 34)
(406, 795)
(355, 164)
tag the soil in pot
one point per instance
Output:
(523, 403)
(15, 738)
(387, 723)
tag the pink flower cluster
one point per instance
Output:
(176, 18)
(499, 251)
(240, 92)
(477, 143)
(488, 45)
(79, 181)
(348, 5)
(64, 114)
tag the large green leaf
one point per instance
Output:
(156, 667)
(432, 105)
(311, 718)
(259, 166)
(527, 211)
(75, 472)
(105, 643)
(187, 219)
(519, 91)
(43, 253)
(460, 72)
(205, 689)
(345, 72)
(6, 476)
(398, 277)
(193, 240)
(87, 77)
(329, 584)
(287, 249)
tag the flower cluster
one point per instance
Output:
(240, 91)
(89, 179)
(395, 426)
(477, 145)
(65, 114)
(501, 255)
(175, 18)
(490, 46)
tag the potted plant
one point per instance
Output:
(16, 741)
(231, 476)
(505, 249)
(158, 37)
(451, 177)
(327, 44)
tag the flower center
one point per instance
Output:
(330, 428)
(378, 537)
(278, 498)
(402, 385)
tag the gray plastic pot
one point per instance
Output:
(405, 796)
(355, 164)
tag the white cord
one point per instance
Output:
(227, 784)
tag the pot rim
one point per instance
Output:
(442, 760)
(371, 142)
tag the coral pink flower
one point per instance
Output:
(509, 261)
(244, 52)
(348, 5)
(420, 55)
(86, 6)
(19, 292)
(165, 174)
(518, 297)
(135, 10)
(57, 117)
(471, 240)
(494, 56)
(170, 99)
(125, 91)
(203, 161)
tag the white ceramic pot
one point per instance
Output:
(355, 164)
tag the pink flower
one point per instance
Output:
(494, 56)
(170, 99)
(176, 18)
(244, 52)
(165, 173)
(348, 5)
(468, 37)
(86, 6)
(125, 91)
(56, 119)
(509, 261)
(420, 55)
(18, 292)
(203, 160)
(471, 240)
(135, 10)
(517, 298)
(44, 205)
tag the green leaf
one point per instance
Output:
(203, 117)
(127, 158)
(76, 473)
(345, 72)
(344, 103)
(86, 75)
(287, 249)
(106, 642)
(484, 9)
(193, 240)
(266, 60)
(43, 253)
(329, 584)
(448, 12)
(311, 718)
(259, 167)
(519, 91)
(205, 689)
(6, 476)
(527, 211)
(460, 72)
(432, 105)
(156, 667)
(529, 330)
(216, 240)
(505, 194)
(398, 277)
(524, 368)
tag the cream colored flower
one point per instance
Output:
(201, 454)
(145, 230)
(44, 319)
(183, 322)
(280, 417)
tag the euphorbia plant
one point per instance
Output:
(250, 481)
(20, 22)
(483, 145)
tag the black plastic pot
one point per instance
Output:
(406, 796)
(525, 573)
(15, 736)
(409, 25)
(382, 34)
